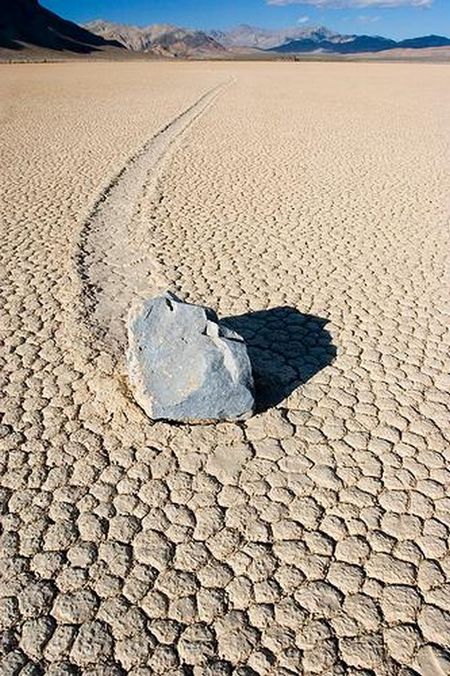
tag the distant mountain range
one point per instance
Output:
(424, 42)
(264, 38)
(161, 39)
(322, 40)
(167, 39)
(25, 23)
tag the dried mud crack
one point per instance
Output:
(311, 539)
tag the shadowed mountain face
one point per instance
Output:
(163, 39)
(26, 22)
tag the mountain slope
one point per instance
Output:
(355, 44)
(262, 38)
(346, 45)
(308, 39)
(26, 22)
(181, 42)
(163, 39)
(133, 38)
(424, 42)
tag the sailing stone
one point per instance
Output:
(184, 365)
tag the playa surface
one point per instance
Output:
(307, 203)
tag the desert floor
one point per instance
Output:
(309, 204)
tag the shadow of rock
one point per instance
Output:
(286, 349)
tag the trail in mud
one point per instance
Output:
(111, 257)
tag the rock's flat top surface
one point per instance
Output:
(183, 365)
(312, 538)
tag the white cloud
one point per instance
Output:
(341, 4)
(303, 19)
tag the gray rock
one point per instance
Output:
(184, 365)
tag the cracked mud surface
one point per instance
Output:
(308, 203)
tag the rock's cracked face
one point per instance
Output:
(310, 539)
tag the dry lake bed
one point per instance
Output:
(309, 204)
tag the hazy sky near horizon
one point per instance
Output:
(391, 18)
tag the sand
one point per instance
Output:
(309, 204)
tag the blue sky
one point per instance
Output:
(391, 18)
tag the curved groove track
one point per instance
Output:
(111, 259)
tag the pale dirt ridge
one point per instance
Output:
(312, 539)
